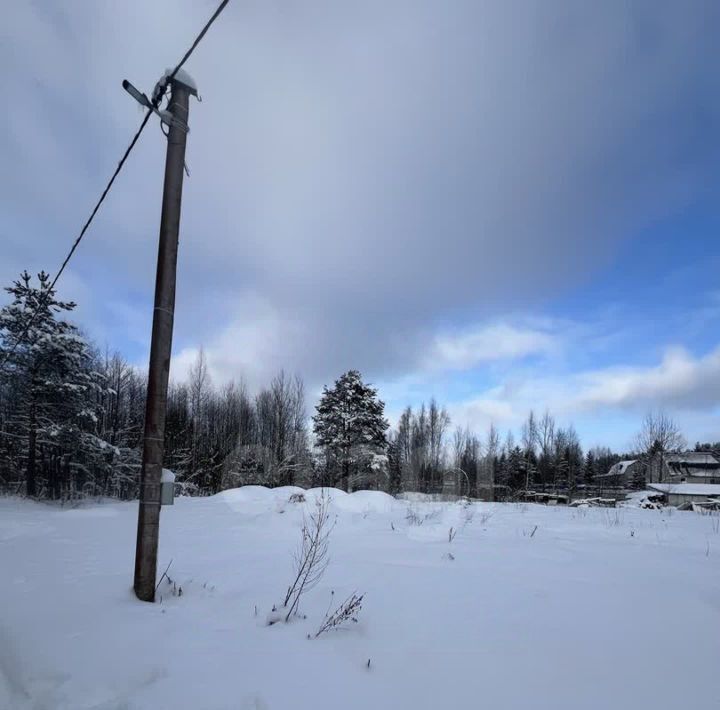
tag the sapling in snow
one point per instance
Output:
(311, 560)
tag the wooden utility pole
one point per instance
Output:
(161, 345)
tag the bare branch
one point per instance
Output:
(347, 611)
(312, 559)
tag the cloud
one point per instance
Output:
(360, 171)
(246, 348)
(680, 383)
(488, 343)
(679, 380)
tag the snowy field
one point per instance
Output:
(594, 609)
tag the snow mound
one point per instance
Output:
(248, 499)
(259, 499)
(333, 494)
(246, 494)
(365, 501)
(283, 493)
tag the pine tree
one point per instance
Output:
(54, 388)
(349, 424)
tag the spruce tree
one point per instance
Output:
(502, 475)
(394, 467)
(516, 468)
(349, 424)
(589, 469)
(49, 375)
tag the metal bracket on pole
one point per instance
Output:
(166, 116)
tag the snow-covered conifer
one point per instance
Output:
(350, 425)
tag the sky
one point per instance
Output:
(504, 205)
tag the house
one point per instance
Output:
(676, 467)
(620, 475)
(691, 467)
(680, 493)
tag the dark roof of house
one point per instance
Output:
(693, 458)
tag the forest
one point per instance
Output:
(71, 426)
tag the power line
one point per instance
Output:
(198, 39)
(157, 98)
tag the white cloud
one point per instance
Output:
(489, 343)
(247, 347)
(364, 168)
(679, 380)
(680, 383)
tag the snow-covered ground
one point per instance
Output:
(597, 608)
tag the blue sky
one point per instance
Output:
(503, 205)
(657, 294)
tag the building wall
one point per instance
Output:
(679, 499)
(701, 479)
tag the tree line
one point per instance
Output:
(71, 417)
(427, 456)
(71, 425)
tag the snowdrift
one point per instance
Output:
(466, 605)
(258, 499)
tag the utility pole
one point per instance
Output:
(161, 344)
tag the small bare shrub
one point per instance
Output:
(347, 612)
(311, 560)
(451, 534)
(414, 517)
(297, 498)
